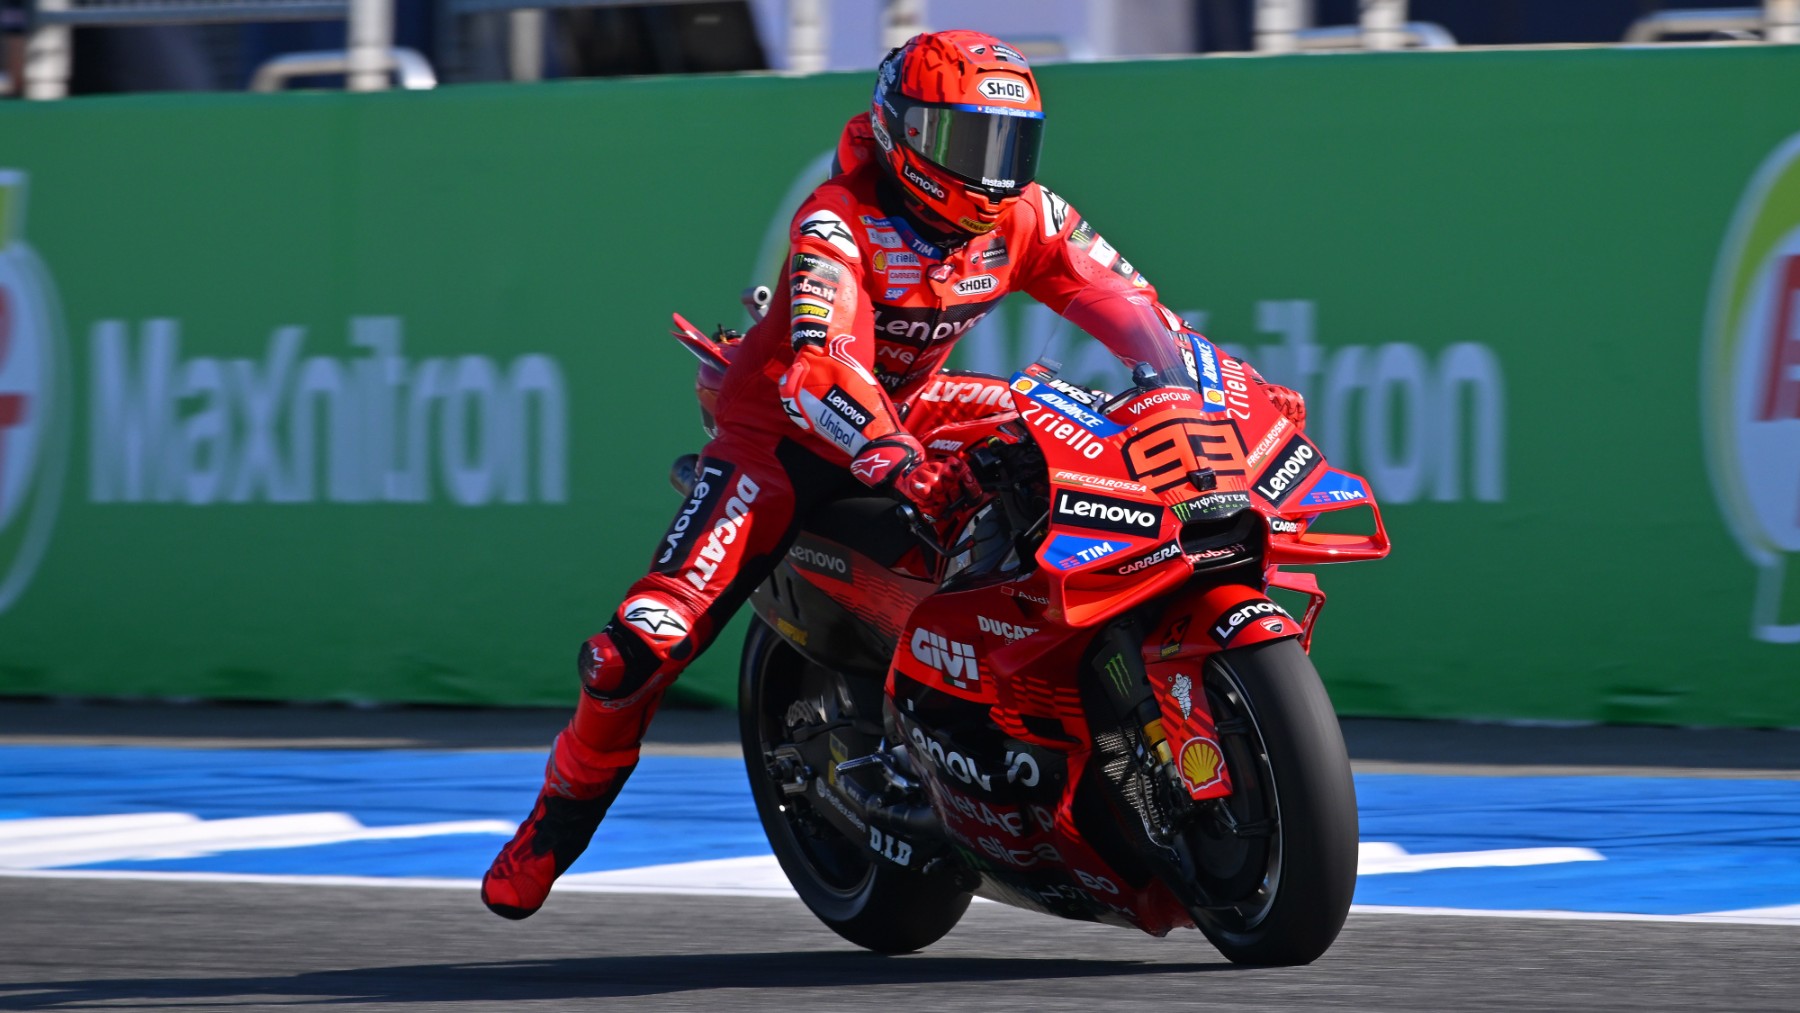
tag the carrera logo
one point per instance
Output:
(976, 285)
(1238, 618)
(1089, 510)
(1160, 556)
(923, 182)
(1004, 89)
(1293, 464)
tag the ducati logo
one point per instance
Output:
(1751, 389)
(34, 401)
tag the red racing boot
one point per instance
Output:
(588, 766)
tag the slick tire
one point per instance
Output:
(1311, 866)
(867, 900)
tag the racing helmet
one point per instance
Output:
(959, 121)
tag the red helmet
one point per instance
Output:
(959, 121)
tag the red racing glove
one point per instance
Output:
(933, 486)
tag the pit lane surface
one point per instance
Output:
(85, 945)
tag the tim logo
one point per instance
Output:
(33, 403)
(1751, 393)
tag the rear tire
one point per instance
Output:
(1288, 764)
(865, 899)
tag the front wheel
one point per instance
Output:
(787, 701)
(1278, 862)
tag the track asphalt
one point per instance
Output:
(212, 857)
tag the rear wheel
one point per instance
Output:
(787, 701)
(1276, 859)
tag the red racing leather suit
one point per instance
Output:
(824, 388)
(827, 385)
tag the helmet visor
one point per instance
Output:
(991, 147)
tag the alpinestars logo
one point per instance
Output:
(654, 617)
(34, 400)
(1751, 389)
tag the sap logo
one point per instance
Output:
(957, 661)
(1004, 89)
(976, 285)
(724, 532)
(1004, 629)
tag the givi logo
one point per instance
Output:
(34, 408)
(1751, 394)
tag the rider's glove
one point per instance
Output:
(933, 486)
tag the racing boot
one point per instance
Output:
(622, 682)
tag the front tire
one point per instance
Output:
(1288, 892)
(784, 699)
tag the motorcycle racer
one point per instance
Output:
(932, 216)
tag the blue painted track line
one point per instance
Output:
(1669, 846)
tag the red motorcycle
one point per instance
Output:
(1087, 704)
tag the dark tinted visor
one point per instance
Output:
(992, 147)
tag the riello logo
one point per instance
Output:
(1751, 394)
(34, 399)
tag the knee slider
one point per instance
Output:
(615, 663)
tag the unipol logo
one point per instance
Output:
(1751, 397)
(33, 435)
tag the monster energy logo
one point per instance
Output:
(1115, 668)
(1183, 511)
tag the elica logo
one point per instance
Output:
(34, 399)
(1751, 388)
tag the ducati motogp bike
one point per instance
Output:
(1087, 703)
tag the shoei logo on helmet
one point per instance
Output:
(923, 182)
(1004, 89)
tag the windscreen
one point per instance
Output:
(1134, 330)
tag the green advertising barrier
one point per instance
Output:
(329, 397)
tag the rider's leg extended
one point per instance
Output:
(726, 538)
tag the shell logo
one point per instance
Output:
(34, 403)
(1750, 395)
(1201, 763)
